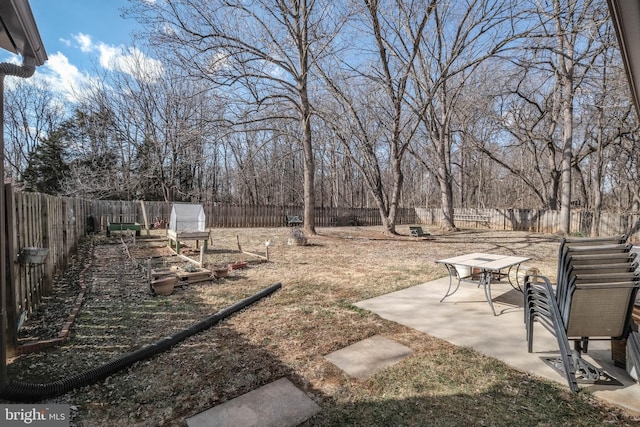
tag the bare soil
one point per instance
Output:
(286, 334)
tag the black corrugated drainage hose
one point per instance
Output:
(27, 392)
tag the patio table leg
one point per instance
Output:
(515, 286)
(486, 282)
(452, 272)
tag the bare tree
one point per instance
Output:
(262, 51)
(527, 112)
(280, 102)
(158, 130)
(536, 109)
(370, 115)
(32, 112)
(624, 174)
(463, 35)
(93, 162)
(606, 119)
(565, 46)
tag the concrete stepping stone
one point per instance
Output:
(368, 357)
(277, 404)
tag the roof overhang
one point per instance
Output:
(625, 15)
(19, 32)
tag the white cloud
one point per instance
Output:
(84, 40)
(121, 59)
(109, 56)
(64, 77)
(59, 75)
(134, 62)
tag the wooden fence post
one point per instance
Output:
(64, 223)
(11, 269)
(144, 215)
(46, 241)
(4, 273)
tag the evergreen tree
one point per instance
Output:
(47, 168)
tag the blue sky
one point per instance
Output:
(81, 37)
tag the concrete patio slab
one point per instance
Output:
(465, 319)
(369, 356)
(278, 404)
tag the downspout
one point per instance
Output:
(25, 70)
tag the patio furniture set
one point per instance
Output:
(593, 298)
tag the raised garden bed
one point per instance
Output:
(124, 226)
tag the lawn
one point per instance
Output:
(288, 333)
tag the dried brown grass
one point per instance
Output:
(288, 334)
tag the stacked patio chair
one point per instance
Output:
(593, 298)
(633, 352)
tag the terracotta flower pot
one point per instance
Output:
(163, 286)
(221, 272)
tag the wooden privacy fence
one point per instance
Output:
(536, 221)
(37, 223)
(230, 215)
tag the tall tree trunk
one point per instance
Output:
(567, 156)
(302, 37)
(308, 169)
(398, 178)
(445, 179)
(597, 184)
(446, 198)
(565, 68)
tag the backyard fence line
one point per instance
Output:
(57, 224)
(229, 215)
(37, 222)
(537, 221)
